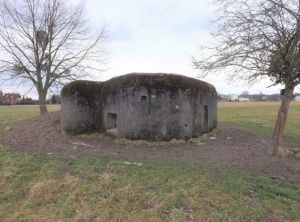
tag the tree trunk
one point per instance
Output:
(42, 102)
(281, 120)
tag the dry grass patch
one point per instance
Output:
(46, 191)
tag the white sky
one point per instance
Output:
(161, 36)
(158, 36)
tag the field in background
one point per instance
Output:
(36, 187)
(260, 116)
(12, 114)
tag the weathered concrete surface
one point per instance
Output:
(81, 107)
(142, 106)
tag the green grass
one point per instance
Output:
(43, 188)
(11, 114)
(35, 187)
(260, 117)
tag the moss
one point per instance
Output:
(82, 87)
(170, 82)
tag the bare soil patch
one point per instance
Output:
(234, 147)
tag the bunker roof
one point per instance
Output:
(81, 87)
(157, 81)
(164, 81)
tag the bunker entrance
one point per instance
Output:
(205, 119)
(111, 121)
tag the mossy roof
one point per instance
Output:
(165, 81)
(171, 82)
(83, 87)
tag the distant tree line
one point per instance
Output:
(55, 99)
(26, 101)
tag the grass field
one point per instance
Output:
(11, 114)
(35, 187)
(260, 116)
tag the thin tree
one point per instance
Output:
(53, 99)
(47, 43)
(257, 39)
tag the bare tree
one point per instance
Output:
(245, 93)
(46, 43)
(257, 39)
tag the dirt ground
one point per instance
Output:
(234, 147)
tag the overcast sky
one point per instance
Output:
(159, 36)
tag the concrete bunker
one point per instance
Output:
(140, 106)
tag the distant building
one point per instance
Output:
(233, 98)
(223, 98)
(11, 98)
(273, 97)
(264, 98)
(244, 98)
(227, 98)
(297, 98)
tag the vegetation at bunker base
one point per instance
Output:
(260, 117)
(37, 187)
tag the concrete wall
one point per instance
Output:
(139, 110)
(81, 107)
(159, 114)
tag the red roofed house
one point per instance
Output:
(11, 98)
